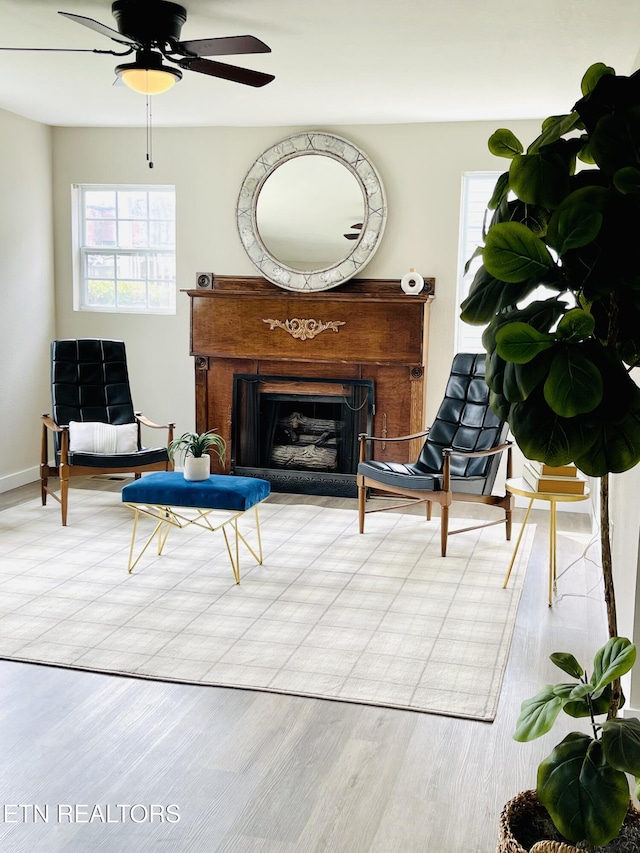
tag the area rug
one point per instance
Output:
(378, 618)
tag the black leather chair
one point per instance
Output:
(459, 460)
(90, 387)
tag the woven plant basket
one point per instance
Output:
(525, 810)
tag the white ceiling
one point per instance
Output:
(335, 61)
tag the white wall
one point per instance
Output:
(420, 164)
(27, 311)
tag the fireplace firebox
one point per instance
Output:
(300, 433)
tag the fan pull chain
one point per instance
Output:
(149, 133)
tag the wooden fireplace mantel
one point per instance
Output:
(364, 329)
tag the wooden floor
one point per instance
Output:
(252, 771)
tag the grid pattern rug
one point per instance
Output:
(378, 618)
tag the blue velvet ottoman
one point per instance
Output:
(212, 504)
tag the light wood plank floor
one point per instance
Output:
(254, 771)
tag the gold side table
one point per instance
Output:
(518, 486)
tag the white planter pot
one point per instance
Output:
(197, 468)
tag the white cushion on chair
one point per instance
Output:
(102, 438)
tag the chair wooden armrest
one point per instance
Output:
(49, 423)
(144, 420)
(450, 451)
(365, 437)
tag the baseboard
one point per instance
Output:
(627, 713)
(19, 478)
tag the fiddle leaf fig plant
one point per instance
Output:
(197, 444)
(582, 783)
(565, 215)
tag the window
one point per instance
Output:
(477, 189)
(126, 240)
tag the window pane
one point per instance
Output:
(161, 294)
(100, 266)
(162, 234)
(132, 266)
(132, 294)
(162, 205)
(100, 204)
(162, 266)
(132, 234)
(132, 205)
(100, 233)
(101, 293)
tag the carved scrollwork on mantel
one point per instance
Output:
(304, 330)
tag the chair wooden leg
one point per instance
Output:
(64, 494)
(444, 529)
(428, 503)
(44, 466)
(44, 482)
(508, 521)
(362, 497)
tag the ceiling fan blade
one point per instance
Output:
(225, 46)
(100, 28)
(227, 72)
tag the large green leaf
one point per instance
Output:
(567, 663)
(500, 191)
(592, 75)
(576, 325)
(586, 798)
(494, 372)
(536, 218)
(553, 128)
(574, 384)
(520, 342)
(500, 406)
(537, 715)
(573, 226)
(614, 140)
(621, 744)
(513, 253)
(521, 379)
(543, 435)
(579, 707)
(541, 178)
(488, 295)
(503, 143)
(615, 448)
(612, 661)
(627, 180)
(542, 314)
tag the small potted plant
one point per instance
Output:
(582, 783)
(197, 462)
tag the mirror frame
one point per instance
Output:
(373, 222)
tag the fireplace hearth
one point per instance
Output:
(300, 433)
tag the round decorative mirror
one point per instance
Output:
(311, 212)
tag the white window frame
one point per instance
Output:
(477, 189)
(81, 251)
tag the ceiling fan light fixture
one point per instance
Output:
(148, 78)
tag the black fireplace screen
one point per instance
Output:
(299, 424)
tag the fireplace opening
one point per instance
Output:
(300, 433)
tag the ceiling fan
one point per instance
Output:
(152, 29)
